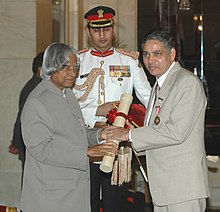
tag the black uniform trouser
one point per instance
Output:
(114, 198)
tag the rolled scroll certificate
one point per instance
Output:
(124, 106)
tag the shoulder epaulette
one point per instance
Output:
(133, 54)
(83, 51)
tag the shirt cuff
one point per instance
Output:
(129, 136)
(102, 141)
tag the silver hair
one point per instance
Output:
(161, 35)
(56, 57)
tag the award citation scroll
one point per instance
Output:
(124, 106)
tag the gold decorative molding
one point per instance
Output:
(43, 21)
(10, 209)
(67, 22)
(56, 2)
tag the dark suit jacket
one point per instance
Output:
(17, 139)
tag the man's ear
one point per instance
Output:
(39, 71)
(113, 28)
(88, 32)
(172, 54)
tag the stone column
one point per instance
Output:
(18, 47)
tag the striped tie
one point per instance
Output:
(152, 103)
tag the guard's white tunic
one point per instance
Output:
(115, 85)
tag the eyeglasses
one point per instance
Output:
(75, 68)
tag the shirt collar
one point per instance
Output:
(162, 78)
(102, 54)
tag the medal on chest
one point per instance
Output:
(119, 71)
(157, 118)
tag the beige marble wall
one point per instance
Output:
(71, 24)
(17, 48)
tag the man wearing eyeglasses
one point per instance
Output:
(56, 172)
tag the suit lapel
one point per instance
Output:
(148, 114)
(165, 89)
(167, 85)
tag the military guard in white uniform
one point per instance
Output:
(105, 74)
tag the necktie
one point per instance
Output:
(157, 88)
(152, 103)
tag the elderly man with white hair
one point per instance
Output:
(56, 173)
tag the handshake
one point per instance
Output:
(115, 133)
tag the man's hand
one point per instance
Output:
(129, 124)
(103, 109)
(12, 149)
(115, 133)
(103, 149)
(102, 134)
